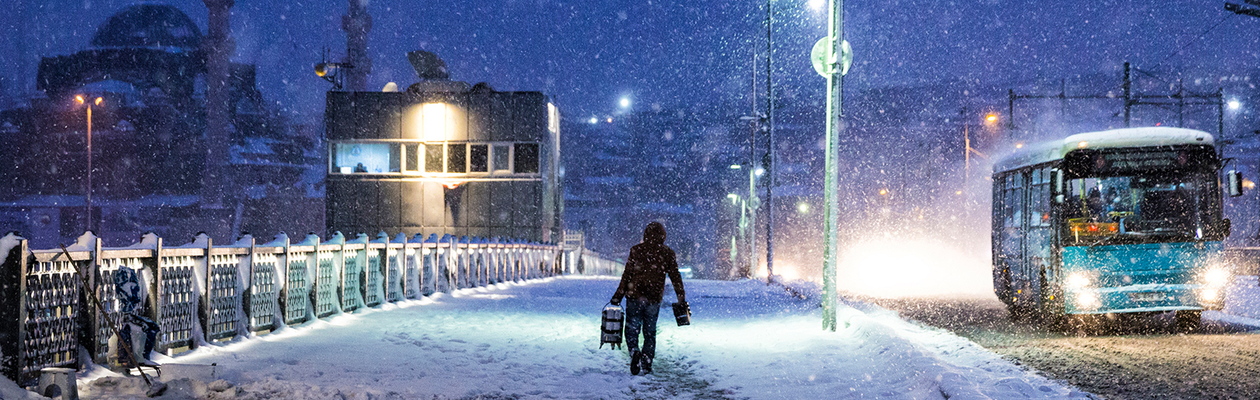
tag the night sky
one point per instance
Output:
(590, 54)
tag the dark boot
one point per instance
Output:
(635, 356)
(646, 364)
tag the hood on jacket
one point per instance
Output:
(654, 233)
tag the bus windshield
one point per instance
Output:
(1138, 208)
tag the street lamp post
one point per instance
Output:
(81, 100)
(831, 57)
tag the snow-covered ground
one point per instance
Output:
(539, 340)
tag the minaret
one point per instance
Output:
(218, 46)
(357, 23)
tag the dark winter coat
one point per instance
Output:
(646, 268)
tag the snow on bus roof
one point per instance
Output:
(1127, 137)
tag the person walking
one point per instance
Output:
(643, 286)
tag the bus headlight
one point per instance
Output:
(1216, 276)
(1078, 280)
(1086, 300)
(1209, 295)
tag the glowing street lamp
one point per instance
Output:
(83, 101)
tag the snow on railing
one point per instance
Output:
(200, 293)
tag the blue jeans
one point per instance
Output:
(641, 315)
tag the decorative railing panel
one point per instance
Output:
(327, 281)
(51, 316)
(296, 289)
(222, 296)
(262, 292)
(178, 310)
(372, 297)
(392, 284)
(351, 290)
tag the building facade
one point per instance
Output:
(444, 158)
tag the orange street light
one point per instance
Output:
(81, 100)
(991, 118)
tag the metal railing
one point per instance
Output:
(200, 292)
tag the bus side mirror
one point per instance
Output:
(1235, 180)
(1056, 185)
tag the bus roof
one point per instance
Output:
(1127, 137)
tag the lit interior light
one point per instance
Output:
(435, 122)
(802, 207)
(958, 192)
(883, 192)
(1082, 144)
(736, 166)
(1019, 145)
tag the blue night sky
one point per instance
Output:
(589, 54)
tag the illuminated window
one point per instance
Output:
(478, 158)
(456, 158)
(526, 158)
(501, 156)
(437, 124)
(412, 153)
(358, 158)
(433, 158)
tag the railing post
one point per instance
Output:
(203, 297)
(12, 315)
(247, 296)
(155, 287)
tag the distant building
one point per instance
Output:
(148, 66)
(444, 158)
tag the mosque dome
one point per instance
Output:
(149, 26)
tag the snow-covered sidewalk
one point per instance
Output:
(540, 340)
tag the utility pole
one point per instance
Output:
(1128, 96)
(769, 168)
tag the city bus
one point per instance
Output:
(1124, 221)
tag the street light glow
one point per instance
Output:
(1234, 104)
(625, 102)
(817, 4)
(991, 118)
(594, 120)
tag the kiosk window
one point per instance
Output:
(433, 158)
(526, 158)
(457, 158)
(478, 158)
(501, 154)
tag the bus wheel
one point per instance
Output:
(1188, 321)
